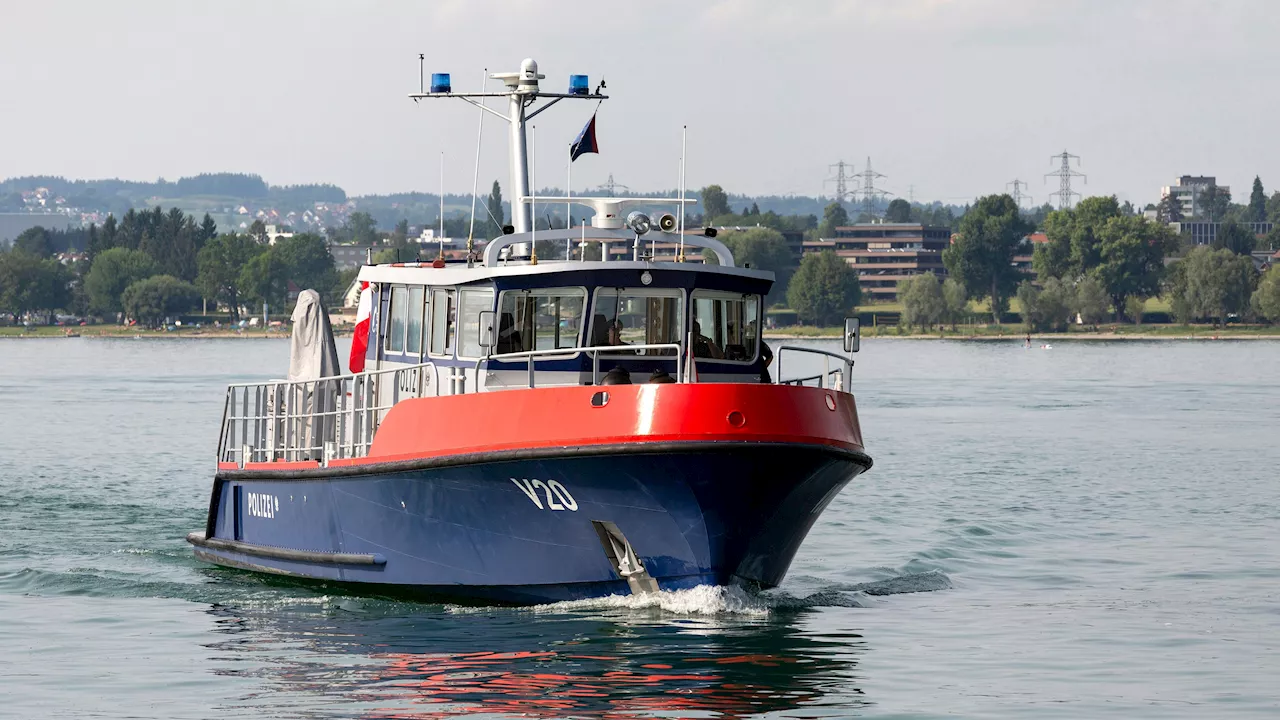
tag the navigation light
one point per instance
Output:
(578, 85)
(440, 83)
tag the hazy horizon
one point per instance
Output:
(950, 99)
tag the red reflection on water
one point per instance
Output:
(497, 683)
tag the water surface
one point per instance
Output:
(1092, 529)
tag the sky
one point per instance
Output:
(951, 99)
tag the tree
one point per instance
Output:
(833, 216)
(495, 212)
(1213, 202)
(823, 289)
(152, 300)
(1028, 299)
(1131, 253)
(30, 283)
(763, 249)
(1091, 302)
(981, 256)
(208, 231)
(1266, 299)
(1257, 202)
(955, 301)
(1210, 283)
(714, 202)
(263, 280)
(1272, 239)
(1053, 306)
(221, 261)
(34, 241)
(258, 231)
(923, 304)
(362, 228)
(112, 272)
(1134, 307)
(1234, 237)
(1170, 209)
(306, 262)
(899, 211)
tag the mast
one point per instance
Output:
(522, 92)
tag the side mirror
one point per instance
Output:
(852, 334)
(486, 338)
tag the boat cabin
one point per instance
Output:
(519, 323)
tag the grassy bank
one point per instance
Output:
(1015, 332)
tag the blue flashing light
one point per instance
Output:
(440, 83)
(578, 85)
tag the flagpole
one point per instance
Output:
(475, 183)
(441, 204)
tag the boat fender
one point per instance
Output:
(616, 376)
(661, 376)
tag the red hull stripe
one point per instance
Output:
(565, 416)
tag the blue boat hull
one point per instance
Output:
(518, 527)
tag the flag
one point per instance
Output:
(360, 341)
(586, 141)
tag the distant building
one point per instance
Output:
(1204, 233)
(275, 233)
(346, 257)
(884, 253)
(1187, 189)
(1023, 262)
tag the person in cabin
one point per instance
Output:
(615, 334)
(766, 353)
(508, 335)
(703, 346)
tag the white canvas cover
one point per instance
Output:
(312, 354)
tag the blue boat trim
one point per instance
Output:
(495, 456)
(200, 540)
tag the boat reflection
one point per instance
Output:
(398, 661)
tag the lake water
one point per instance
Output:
(1093, 529)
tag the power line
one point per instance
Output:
(868, 191)
(842, 180)
(1064, 175)
(1018, 194)
(611, 187)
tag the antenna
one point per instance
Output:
(422, 73)
(684, 131)
(522, 91)
(842, 180)
(1018, 194)
(441, 204)
(475, 184)
(1064, 175)
(869, 192)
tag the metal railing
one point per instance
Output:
(622, 352)
(830, 378)
(323, 419)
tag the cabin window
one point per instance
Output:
(637, 316)
(474, 302)
(443, 314)
(413, 342)
(542, 319)
(398, 311)
(726, 326)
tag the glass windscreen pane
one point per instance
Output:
(628, 317)
(473, 303)
(540, 320)
(442, 322)
(395, 331)
(413, 344)
(726, 328)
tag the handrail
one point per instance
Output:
(593, 351)
(843, 373)
(321, 419)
